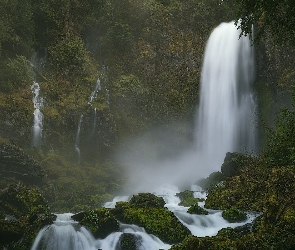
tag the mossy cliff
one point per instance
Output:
(23, 212)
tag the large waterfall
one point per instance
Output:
(225, 120)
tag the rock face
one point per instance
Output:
(23, 212)
(18, 166)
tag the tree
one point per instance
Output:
(276, 17)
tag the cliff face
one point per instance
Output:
(16, 165)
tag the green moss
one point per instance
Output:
(157, 221)
(187, 198)
(212, 180)
(100, 222)
(234, 215)
(205, 243)
(146, 200)
(196, 209)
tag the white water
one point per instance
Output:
(199, 225)
(225, 121)
(67, 234)
(64, 234)
(77, 141)
(94, 93)
(37, 128)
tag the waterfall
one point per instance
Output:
(38, 116)
(77, 141)
(64, 234)
(94, 93)
(225, 120)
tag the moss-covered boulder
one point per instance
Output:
(99, 221)
(205, 243)
(128, 241)
(146, 200)
(187, 198)
(158, 221)
(245, 191)
(196, 209)
(23, 212)
(233, 164)
(234, 215)
(212, 180)
(229, 233)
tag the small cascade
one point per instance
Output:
(137, 235)
(111, 204)
(199, 225)
(94, 92)
(77, 141)
(64, 234)
(37, 128)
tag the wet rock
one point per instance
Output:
(99, 221)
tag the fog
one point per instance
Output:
(163, 155)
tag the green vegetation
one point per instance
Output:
(187, 198)
(146, 200)
(99, 221)
(196, 209)
(23, 213)
(234, 215)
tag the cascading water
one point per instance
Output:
(64, 234)
(38, 116)
(225, 121)
(91, 99)
(77, 141)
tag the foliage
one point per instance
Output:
(212, 243)
(280, 146)
(16, 74)
(276, 17)
(23, 212)
(234, 215)
(245, 191)
(212, 180)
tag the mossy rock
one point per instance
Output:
(99, 221)
(157, 221)
(128, 241)
(205, 243)
(187, 198)
(229, 233)
(196, 209)
(146, 200)
(233, 163)
(212, 180)
(234, 215)
(23, 213)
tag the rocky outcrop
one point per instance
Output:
(18, 166)
(23, 212)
